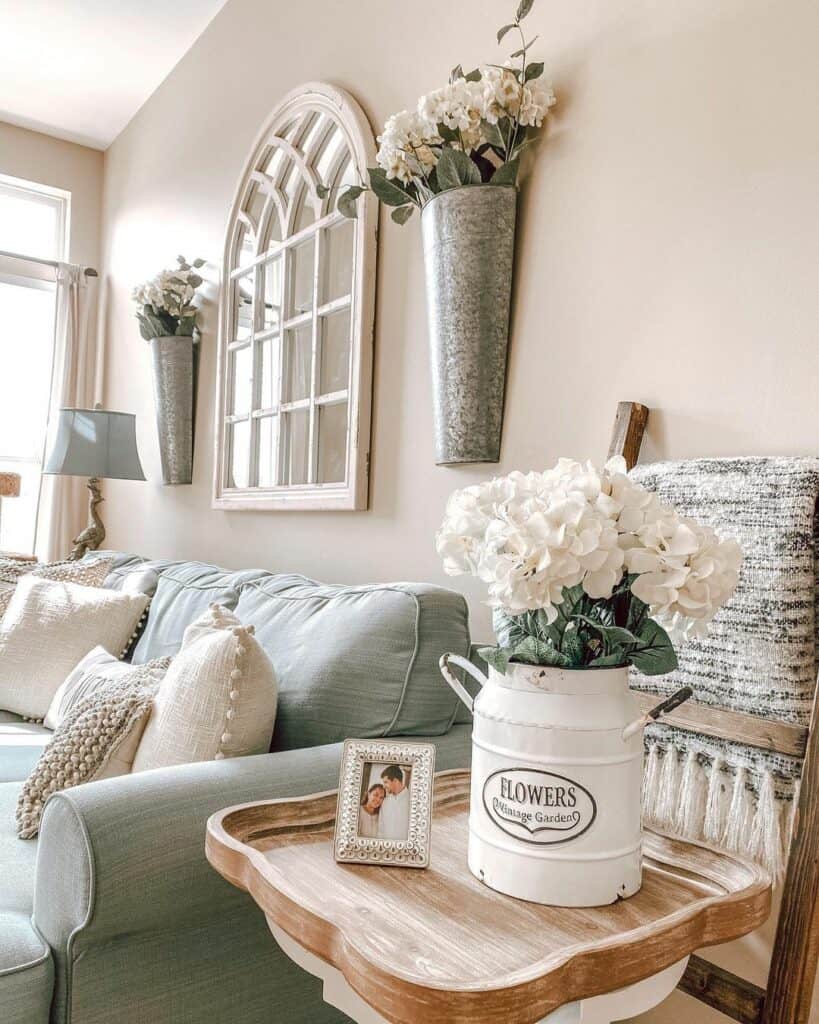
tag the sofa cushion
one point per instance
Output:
(356, 661)
(21, 744)
(183, 593)
(26, 971)
(17, 859)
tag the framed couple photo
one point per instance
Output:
(385, 803)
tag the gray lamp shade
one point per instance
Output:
(95, 442)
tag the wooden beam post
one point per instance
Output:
(629, 427)
(796, 947)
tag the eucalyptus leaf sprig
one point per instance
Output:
(470, 132)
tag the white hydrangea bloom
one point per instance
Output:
(528, 536)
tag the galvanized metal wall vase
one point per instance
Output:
(455, 157)
(469, 241)
(174, 387)
(167, 321)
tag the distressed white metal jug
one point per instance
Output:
(557, 767)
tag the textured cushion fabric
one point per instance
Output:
(356, 661)
(89, 573)
(142, 834)
(184, 591)
(48, 627)
(217, 700)
(96, 669)
(21, 744)
(96, 738)
(26, 972)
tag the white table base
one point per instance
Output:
(613, 1006)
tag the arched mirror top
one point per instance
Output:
(296, 313)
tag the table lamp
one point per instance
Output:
(97, 444)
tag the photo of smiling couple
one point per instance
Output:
(384, 806)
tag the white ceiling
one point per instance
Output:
(80, 69)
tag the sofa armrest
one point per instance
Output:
(126, 855)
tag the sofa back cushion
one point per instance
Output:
(184, 592)
(359, 661)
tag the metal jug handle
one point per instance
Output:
(456, 684)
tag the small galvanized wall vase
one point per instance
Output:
(174, 375)
(469, 242)
(557, 765)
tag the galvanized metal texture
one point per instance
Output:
(173, 371)
(469, 240)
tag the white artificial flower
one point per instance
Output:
(529, 536)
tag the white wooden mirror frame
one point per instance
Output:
(290, 127)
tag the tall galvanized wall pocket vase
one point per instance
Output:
(456, 157)
(469, 242)
(168, 321)
(585, 570)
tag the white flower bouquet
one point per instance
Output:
(166, 301)
(586, 569)
(470, 132)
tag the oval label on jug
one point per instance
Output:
(538, 807)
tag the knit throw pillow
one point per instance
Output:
(96, 739)
(95, 670)
(217, 700)
(48, 628)
(92, 573)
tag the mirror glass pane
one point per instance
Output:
(239, 444)
(246, 247)
(241, 364)
(332, 443)
(337, 260)
(305, 214)
(268, 373)
(272, 285)
(298, 344)
(301, 270)
(243, 307)
(335, 352)
(267, 427)
(254, 205)
(329, 157)
(295, 454)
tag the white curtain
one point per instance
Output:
(63, 508)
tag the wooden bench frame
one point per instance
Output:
(787, 998)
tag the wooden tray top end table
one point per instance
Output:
(404, 946)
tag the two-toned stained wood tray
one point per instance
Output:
(437, 946)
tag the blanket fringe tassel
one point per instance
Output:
(716, 805)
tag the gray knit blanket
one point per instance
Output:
(761, 655)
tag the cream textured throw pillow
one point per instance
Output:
(95, 670)
(48, 628)
(91, 573)
(97, 739)
(217, 700)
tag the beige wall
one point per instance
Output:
(667, 254)
(78, 169)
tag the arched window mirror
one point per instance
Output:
(296, 314)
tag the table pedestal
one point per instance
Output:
(612, 1006)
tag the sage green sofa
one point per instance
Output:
(114, 915)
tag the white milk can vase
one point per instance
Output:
(557, 766)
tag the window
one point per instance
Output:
(33, 226)
(296, 315)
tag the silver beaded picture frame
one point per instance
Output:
(384, 812)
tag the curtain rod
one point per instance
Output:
(88, 271)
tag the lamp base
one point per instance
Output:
(94, 534)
